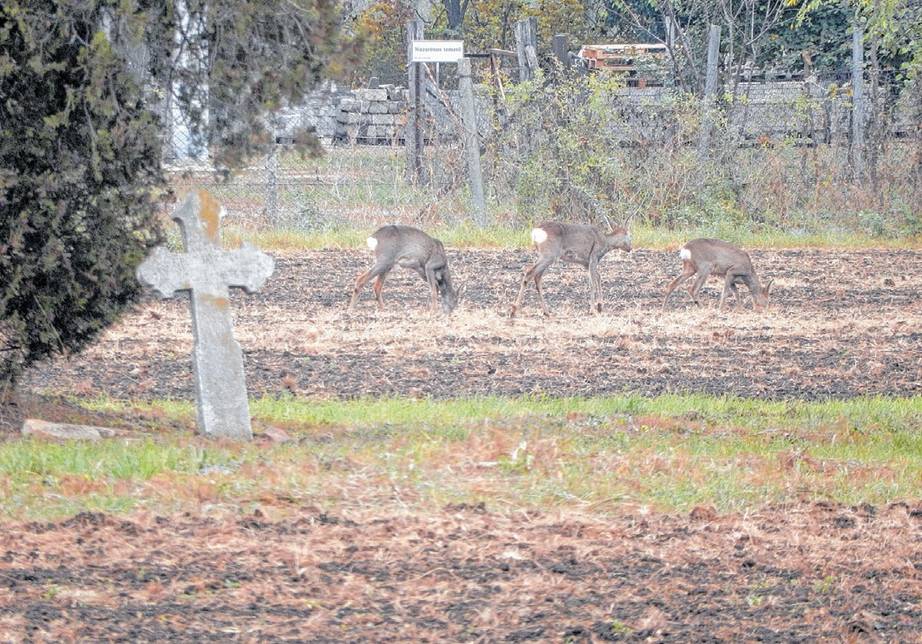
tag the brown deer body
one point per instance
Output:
(705, 257)
(410, 248)
(573, 243)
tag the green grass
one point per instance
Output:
(867, 412)
(670, 452)
(469, 236)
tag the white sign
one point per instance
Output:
(437, 51)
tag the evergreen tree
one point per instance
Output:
(80, 144)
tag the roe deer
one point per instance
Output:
(410, 248)
(575, 243)
(706, 257)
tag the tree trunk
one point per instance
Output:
(455, 10)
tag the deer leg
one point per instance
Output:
(538, 271)
(377, 287)
(544, 308)
(687, 271)
(533, 272)
(728, 284)
(598, 290)
(518, 298)
(737, 298)
(698, 283)
(362, 280)
(595, 287)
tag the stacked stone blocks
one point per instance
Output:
(376, 116)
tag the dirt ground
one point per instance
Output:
(843, 323)
(810, 572)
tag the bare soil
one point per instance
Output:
(809, 572)
(843, 323)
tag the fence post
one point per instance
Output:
(471, 140)
(710, 90)
(561, 49)
(858, 108)
(413, 135)
(272, 184)
(526, 47)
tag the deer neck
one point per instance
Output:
(608, 242)
(755, 286)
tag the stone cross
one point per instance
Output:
(207, 272)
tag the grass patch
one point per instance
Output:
(670, 452)
(870, 413)
(469, 236)
(335, 200)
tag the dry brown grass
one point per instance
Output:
(809, 571)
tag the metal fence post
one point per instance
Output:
(858, 108)
(272, 185)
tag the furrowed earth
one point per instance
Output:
(817, 572)
(842, 324)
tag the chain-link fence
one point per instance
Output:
(583, 146)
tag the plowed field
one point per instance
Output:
(842, 324)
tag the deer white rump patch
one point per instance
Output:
(372, 243)
(685, 253)
(538, 235)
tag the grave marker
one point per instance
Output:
(208, 272)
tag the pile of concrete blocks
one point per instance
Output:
(317, 113)
(376, 116)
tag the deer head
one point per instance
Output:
(619, 238)
(449, 295)
(761, 296)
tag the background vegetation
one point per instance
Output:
(574, 146)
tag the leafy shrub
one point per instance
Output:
(577, 148)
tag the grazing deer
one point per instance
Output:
(706, 257)
(574, 243)
(410, 248)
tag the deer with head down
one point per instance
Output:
(410, 248)
(574, 243)
(705, 257)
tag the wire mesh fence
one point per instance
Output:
(582, 146)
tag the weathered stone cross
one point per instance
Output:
(208, 272)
